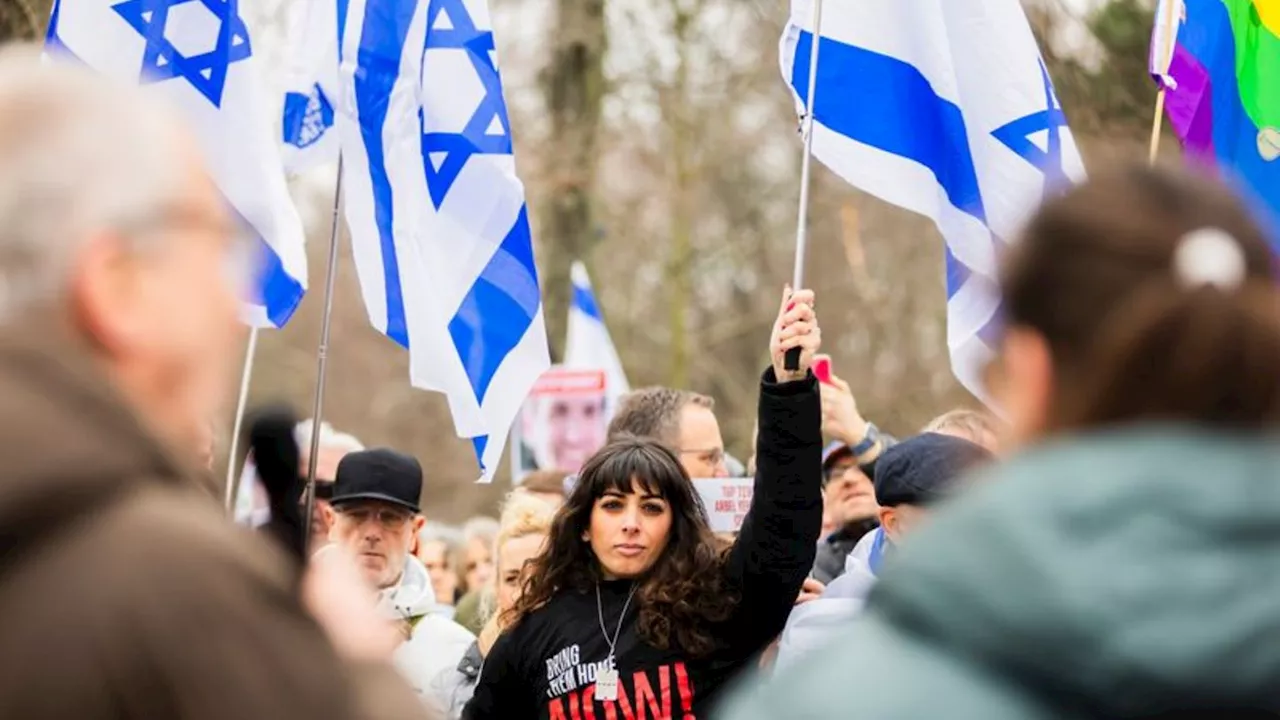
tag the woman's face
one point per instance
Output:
(434, 554)
(479, 564)
(629, 532)
(513, 558)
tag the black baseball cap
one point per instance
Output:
(924, 469)
(378, 474)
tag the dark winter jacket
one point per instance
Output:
(834, 549)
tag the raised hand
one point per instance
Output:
(796, 327)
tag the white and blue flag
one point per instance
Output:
(587, 343)
(944, 108)
(440, 231)
(311, 85)
(199, 56)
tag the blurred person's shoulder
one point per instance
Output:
(179, 534)
(166, 556)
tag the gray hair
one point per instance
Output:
(80, 155)
(329, 438)
(449, 536)
(482, 527)
(965, 423)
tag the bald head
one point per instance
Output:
(110, 224)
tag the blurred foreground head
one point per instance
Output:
(1141, 295)
(112, 232)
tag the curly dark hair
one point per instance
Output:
(684, 593)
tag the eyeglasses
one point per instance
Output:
(710, 456)
(388, 518)
(241, 251)
(839, 471)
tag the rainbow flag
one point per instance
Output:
(1219, 61)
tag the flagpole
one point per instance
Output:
(792, 360)
(322, 362)
(233, 484)
(1166, 58)
(1156, 123)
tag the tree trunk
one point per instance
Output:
(574, 91)
(679, 269)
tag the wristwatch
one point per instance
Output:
(868, 442)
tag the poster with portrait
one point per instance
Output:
(562, 422)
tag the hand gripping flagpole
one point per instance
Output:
(792, 360)
(233, 478)
(322, 361)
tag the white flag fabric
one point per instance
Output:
(587, 344)
(199, 56)
(440, 231)
(311, 85)
(944, 108)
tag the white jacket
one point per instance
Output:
(813, 624)
(429, 659)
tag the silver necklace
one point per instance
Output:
(600, 611)
(607, 677)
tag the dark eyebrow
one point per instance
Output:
(612, 493)
(653, 497)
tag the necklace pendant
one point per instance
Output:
(607, 685)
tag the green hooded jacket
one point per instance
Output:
(1126, 574)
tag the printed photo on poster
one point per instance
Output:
(563, 422)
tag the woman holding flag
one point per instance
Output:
(635, 605)
(1101, 572)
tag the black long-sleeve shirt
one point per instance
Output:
(546, 666)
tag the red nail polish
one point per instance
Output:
(790, 305)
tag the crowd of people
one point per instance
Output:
(1105, 547)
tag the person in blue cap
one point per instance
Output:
(910, 477)
(848, 501)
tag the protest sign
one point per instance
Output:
(727, 501)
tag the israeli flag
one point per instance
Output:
(198, 54)
(437, 214)
(588, 345)
(311, 85)
(944, 108)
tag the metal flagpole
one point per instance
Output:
(1166, 57)
(792, 361)
(322, 361)
(233, 478)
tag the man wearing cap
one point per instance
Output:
(849, 500)
(374, 517)
(848, 463)
(910, 477)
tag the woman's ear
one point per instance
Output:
(1027, 391)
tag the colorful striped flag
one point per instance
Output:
(1221, 71)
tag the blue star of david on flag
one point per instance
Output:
(1016, 136)
(940, 142)
(450, 26)
(161, 60)
(306, 117)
